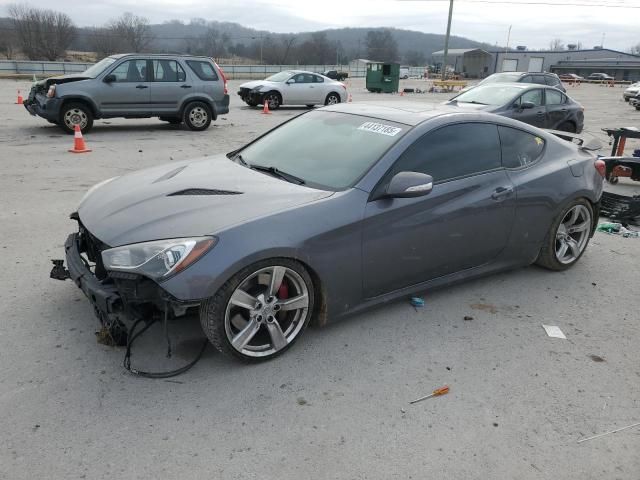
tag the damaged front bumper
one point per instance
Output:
(118, 298)
(43, 106)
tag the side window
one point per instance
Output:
(527, 79)
(131, 71)
(551, 80)
(453, 151)
(318, 79)
(168, 71)
(300, 78)
(554, 97)
(203, 70)
(534, 96)
(519, 148)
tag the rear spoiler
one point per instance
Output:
(591, 144)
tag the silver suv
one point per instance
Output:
(175, 88)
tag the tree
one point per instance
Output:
(381, 46)
(41, 33)
(132, 30)
(8, 44)
(635, 49)
(556, 44)
(103, 42)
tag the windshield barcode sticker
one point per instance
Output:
(380, 128)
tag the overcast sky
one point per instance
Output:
(532, 25)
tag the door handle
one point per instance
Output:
(142, 86)
(185, 86)
(501, 192)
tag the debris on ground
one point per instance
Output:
(597, 358)
(609, 432)
(614, 228)
(554, 331)
(436, 393)
(485, 307)
(468, 318)
(417, 302)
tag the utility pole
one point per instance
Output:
(446, 42)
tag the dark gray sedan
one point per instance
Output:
(541, 106)
(330, 213)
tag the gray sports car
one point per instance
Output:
(332, 212)
(538, 105)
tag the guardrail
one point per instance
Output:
(233, 71)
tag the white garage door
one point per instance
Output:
(535, 64)
(509, 65)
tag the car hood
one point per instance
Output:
(257, 83)
(186, 199)
(72, 77)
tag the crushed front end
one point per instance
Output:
(118, 298)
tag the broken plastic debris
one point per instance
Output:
(554, 331)
(417, 302)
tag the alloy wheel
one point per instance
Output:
(573, 234)
(333, 99)
(273, 100)
(267, 311)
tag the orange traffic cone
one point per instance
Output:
(402, 93)
(350, 99)
(78, 142)
(265, 108)
(19, 101)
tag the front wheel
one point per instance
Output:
(332, 99)
(197, 116)
(273, 99)
(73, 114)
(260, 311)
(568, 237)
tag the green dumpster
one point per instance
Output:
(383, 77)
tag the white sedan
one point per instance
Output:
(293, 87)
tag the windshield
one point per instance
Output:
(490, 94)
(501, 77)
(279, 77)
(96, 69)
(328, 150)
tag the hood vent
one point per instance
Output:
(204, 191)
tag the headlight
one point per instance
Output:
(51, 92)
(158, 259)
(258, 88)
(94, 188)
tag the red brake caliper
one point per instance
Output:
(283, 291)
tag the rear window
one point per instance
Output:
(519, 149)
(204, 70)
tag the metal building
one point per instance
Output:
(471, 62)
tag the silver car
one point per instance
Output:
(293, 87)
(175, 88)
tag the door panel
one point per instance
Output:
(169, 86)
(533, 116)
(557, 108)
(129, 93)
(299, 92)
(455, 227)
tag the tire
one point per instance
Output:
(172, 120)
(559, 232)
(197, 116)
(73, 114)
(273, 99)
(567, 127)
(332, 99)
(223, 321)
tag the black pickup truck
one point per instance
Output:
(335, 75)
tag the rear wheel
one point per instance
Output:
(260, 311)
(567, 127)
(568, 237)
(197, 116)
(73, 114)
(332, 99)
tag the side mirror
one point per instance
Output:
(290, 81)
(409, 185)
(524, 105)
(110, 78)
